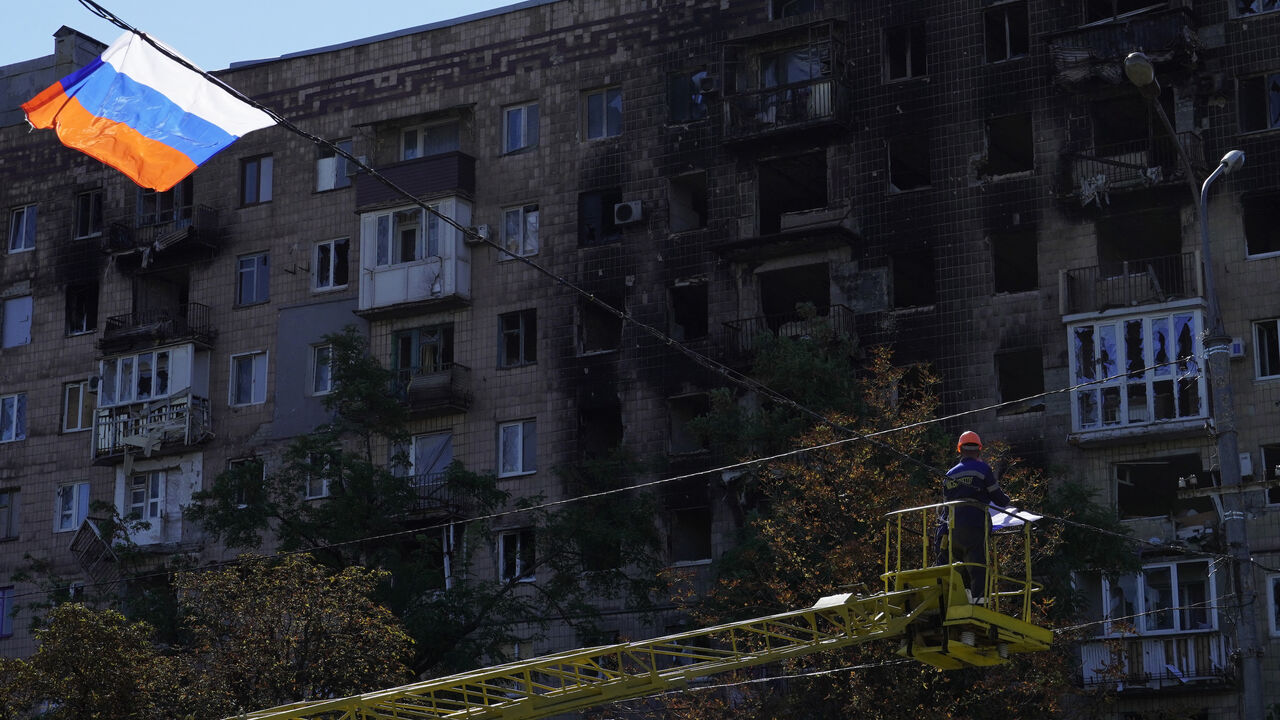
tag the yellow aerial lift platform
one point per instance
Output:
(923, 604)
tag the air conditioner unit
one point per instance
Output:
(1237, 347)
(354, 169)
(478, 235)
(708, 84)
(627, 212)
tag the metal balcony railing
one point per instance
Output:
(151, 427)
(1130, 283)
(822, 102)
(444, 388)
(190, 320)
(1095, 51)
(743, 336)
(191, 222)
(1153, 662)
(1133, 165)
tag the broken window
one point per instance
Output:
(519, 231)
(788, 185)
(1010, 148)
(1270, 471)
(1149, 488)
(1266, 347)
(688, 510)
(908, 163)
(1142, 243)
(599, 330)
(791, 8)
(904, 52)
(82, 308)
(599, 430)
(173, 205)
(1121, 124)
(517, 555)
(13, 417)
(595, 217)
(686, 99)
(687, 310)
(914, 284)
(1140, 370)
(1006, 31)
(786, 296)
(687, 201)
(134, 378)
(1095, 10)
(518, 341)
(1014, 261)
(1259, 102)
(248, 476)
(1165, 597)
(681, 410)
(1253, 7)
(1020, 374)
(1262, 222)
(421, 351)
(89, 214)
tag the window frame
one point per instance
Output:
(173, 205)
(119, 371)
(88, 203)
(522, 246)
(256, 179)
(439, 336)
(607, 97)
(1273, 603)
(150, 504)
(524, 333)
(255, 278)
(77, 512)
(1007, 39)
(6, 612)
(526, 452)
(10, 306)
(259, 359)
(241, 493)
(10, 513)
(22, 229)
(1248, 207)
(85, 410)
(528, 126)
(309, 482)
(1174, 607)
(1236, 13)
(333, 166)
(1266, 353)
(389, 240)
(81, 304)
(913, 34)
(13, 417)
(525, 560)
(315, 374)
(422, 131)
(329, 250)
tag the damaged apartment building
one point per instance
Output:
(976, 184)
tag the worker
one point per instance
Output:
(972, 479)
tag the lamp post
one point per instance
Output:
(1222, 412)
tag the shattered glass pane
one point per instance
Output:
(1086, 361)
(1111, 406)
(1137, 399)
(1088, 400)
(1184, 331)
(1135, 358)
(1160, 355)
(1107, 351)
(1188, 397)
(1162, 392)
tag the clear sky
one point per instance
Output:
(215, 33)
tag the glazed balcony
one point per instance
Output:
(147, 328)
(1186, 661)
(1130, 283)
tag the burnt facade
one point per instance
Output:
(976, 184)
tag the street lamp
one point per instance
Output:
(1140, 71)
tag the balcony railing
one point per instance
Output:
(1153, 662)
(432, 493)
(1096, 50)
(1135, 165)
(810, 105)
(1130, 283)
(743, 336)
(443, 390)
(188, 321)
(199, 223)
(174, 423)
(94, 553)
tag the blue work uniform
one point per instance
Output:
(972, 479)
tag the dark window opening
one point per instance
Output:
(595, 218)
(680, 411)
(1006, 32)
(687, 311)
(422, 351)
(782, 290)
(688, 510)
(599, 330)
(1014, 261)
(1126, 124)
(1095, 10)
(791, 8)
(599, 431)
(687, 200)
(913, 281)
(1020, 374)
(1135, 238)
(172, 205)
(1259, 102)
(908, 163)
(685, 97)
(904, 52)
(1149, 488)
(161, 294)
(255, 180)
(1010, 147)
(791, 184)
(1270, 471)
(518, 341)
(1261, 222)
(89, 214)
(82, 308)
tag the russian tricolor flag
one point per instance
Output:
(143, 113)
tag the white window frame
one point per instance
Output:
(258, 379)
(82, 412)
(321, 369)
(332, 171)
(520, 127)
(325, 279)
(390, 239)
(429, 131)
(522, 432)
(316, 488)
(1261, 364)
(70, 506)
(1175, 606)
(519, 231)
(88, 214)
(13, 417)
(260, 169)
(599, 100)
(10, 502)
(22, 229)
(253, 272)
(15, 321)
(122, 378)
(1112, 330)
(146, 495)
(515, 542)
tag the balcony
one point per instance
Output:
(744, 336)
(193, 231)
(434, 494)
(163, 426)
(94, 553)
(450, 173)
(1150, 663)
(817, 105)
(1094, 52)
(1131, 166)
(442, 391)
(147, 328)
(799, 232)
(1130, 283)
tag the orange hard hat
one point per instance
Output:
(968, 437)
